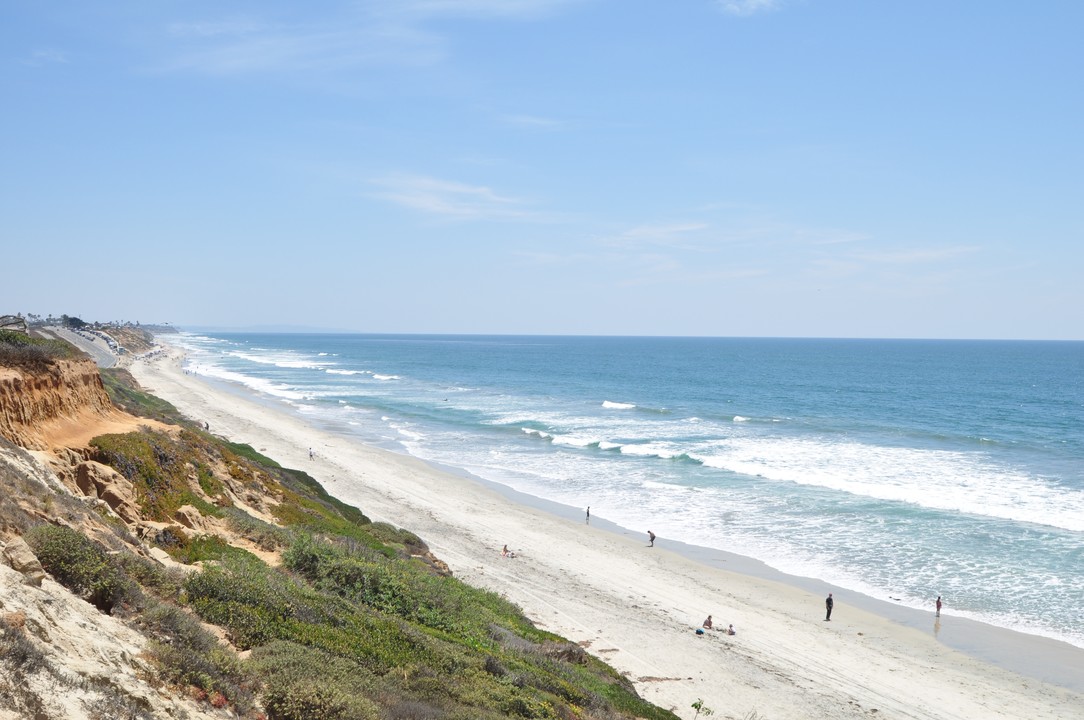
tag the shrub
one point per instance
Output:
(18, 653)
(186, 654)
(82, 565)
(306, 683)
(162, 582)
(408, 590)
(155, 464)
(263, 534)
(32, 354)
(190, 549)
(114, 704)
(305, 700)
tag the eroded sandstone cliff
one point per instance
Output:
(61, 397)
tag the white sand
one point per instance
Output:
(634, 606)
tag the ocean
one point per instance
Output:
(895, 468)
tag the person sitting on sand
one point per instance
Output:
(707, 623)
(505, 552)
(731, 631)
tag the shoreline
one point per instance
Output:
(635, 607)
(1035, 656)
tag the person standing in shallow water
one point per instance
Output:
(938, 606)
(651, 538)
(828, 604)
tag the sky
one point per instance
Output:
(779, 168)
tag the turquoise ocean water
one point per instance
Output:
(900, 468)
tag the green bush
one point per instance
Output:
(186, 654)
(190, 549)
(264, 535)
(83, 566)
(152, 576)
(157, 466)
(32, 354)
(304, 683)
(408, 590)
(258, 604)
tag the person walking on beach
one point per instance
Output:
(312, 455)
(828, 603)
(938, 606)
(651, 538)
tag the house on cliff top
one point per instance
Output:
(15, 323)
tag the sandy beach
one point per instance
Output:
(638, 607)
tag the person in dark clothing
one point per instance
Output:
(651, 537)
(828, 603)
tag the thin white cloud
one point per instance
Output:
(744, 8)
(220, 50)
(372, 33)
(668, 235)
(216, 28)
(510, 9)
(532, 121)
(919, 255)
(46, 56)
(448, 199)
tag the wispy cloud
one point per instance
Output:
(917, 255)
(510, 9)
(448, 199)
(217, 28)
(669, 235)
(45, 56)
(367, 33)
(532, 121)
(234, 49)
(744, 8)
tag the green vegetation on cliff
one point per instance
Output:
(32, 354)
(355, 620)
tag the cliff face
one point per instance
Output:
(70, 392)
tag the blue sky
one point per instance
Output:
(688, 167)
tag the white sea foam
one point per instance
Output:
(946, 480)
(335, 371)
(260, 385)
(617, 405)
(574, 440)
(282, 361)
(659, 450)
(739, 418)
(386, 377)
